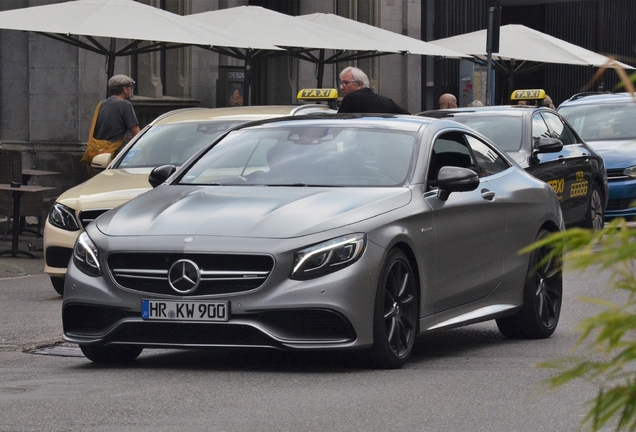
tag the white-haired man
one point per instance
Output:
(359, 98)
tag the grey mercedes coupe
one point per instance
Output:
(335, 232)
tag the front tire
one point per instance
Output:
(542, 297)
(595, 213)
(111, 354)
(58, 285)
(395, 315)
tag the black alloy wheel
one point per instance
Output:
(396, 314)
(542, 297)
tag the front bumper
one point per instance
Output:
(58, 249)
(334, 311)
(622, 199)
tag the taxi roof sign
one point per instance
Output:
(535, 94)
(318, 94)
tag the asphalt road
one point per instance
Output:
(469, 379)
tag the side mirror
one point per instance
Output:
(548, 145)
(455, 179)
(101, 161)
(160, 174)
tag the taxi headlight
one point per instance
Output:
(328, 257)
(63, 217)
(631, 171)
(86, 256)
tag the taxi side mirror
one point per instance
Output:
(548, 145)
(160, 174)
(101, 161)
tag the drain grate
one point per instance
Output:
(58, 350)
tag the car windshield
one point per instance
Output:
(616, 121)
(173, 144)
(307, 156)
(505, 131)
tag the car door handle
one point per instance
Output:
(487, 194)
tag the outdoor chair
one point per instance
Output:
(31, 204)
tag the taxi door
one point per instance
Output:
(568, 171)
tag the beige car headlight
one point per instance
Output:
(63, 217)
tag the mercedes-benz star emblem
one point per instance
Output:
(184, 276)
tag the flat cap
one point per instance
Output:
(120, 81)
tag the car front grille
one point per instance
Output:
(617, 175)
(219, 273)
(88, 216)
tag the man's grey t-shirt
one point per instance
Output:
(115, 117)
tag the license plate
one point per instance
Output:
(185, 310)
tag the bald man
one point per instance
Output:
(447, 100)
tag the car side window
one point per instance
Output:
(539, 128)
(559, 129)
(449, 149)
(489, 161)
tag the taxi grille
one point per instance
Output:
(219, 273)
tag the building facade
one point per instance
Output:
(48, 89)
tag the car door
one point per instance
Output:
(567, 171)
(578, 172)
(470, 227)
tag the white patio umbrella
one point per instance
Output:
(303, 35)
(299, 38)
(121, 19)
(397, 42)
(530, 47)
(522, 49)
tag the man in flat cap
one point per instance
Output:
(113, 119)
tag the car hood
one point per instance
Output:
(616, 153)
(108, 189)
(247, 211)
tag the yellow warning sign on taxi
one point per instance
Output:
(318, 94)
(528, 94)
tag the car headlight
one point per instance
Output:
(328, 257)
(63, 217)
(86, 256)
(631, 171)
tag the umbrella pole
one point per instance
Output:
(110, 71)
(321, 68)
(246, 84)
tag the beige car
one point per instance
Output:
(170, 139)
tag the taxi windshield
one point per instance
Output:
(307, 156)
(504, 131)
(173, 143)
(600, 122)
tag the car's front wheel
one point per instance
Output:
(111, 353)
(595, 213)
(395, 315)
(58, 285)
(542, 297)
